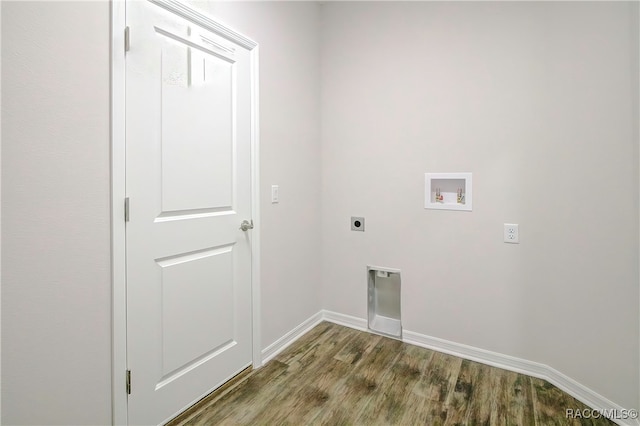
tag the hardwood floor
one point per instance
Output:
(335, 375)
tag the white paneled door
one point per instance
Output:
(188, 180)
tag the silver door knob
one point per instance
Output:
(246, 225)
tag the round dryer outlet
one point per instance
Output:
(357, 223)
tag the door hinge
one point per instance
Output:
(128, 382)
(127, 42)
(126, 209)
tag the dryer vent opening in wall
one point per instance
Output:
(384, 301)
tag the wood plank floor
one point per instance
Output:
(335, 375)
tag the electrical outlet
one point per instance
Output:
(511, 234)
(357, 223)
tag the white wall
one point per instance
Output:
(290, 155)
(56, 312)
(523, 95)
(536, 100)
(55, 185)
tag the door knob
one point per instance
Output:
(246, 225)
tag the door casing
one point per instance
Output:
(118, 191)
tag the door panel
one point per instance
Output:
(188, 177)
(190, 161)
(197, 319)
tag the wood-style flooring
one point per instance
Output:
(335, 375)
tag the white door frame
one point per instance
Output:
(118, 194)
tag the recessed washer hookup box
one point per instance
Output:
(384, 301)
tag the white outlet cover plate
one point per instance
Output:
(511, 233)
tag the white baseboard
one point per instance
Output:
(522, 366)
(494, 359)
(282, 343)
(587, 396)
(346, 320)
(471, 353)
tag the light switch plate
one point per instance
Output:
(275, 194)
